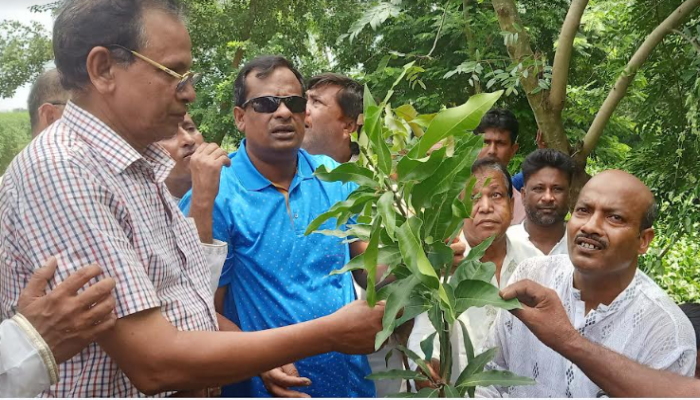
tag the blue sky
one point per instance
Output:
(19, 10)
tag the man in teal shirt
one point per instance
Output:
(274, 275)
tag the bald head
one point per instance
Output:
(629, 188)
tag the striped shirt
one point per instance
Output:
(81, 192)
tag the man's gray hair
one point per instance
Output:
(493, 164)
(46, 89)
(82, 25)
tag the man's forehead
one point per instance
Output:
(279, 82)
(488, 178)
(548, 175)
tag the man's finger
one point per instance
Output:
(459, 248)
(526, 291)
(100, 311)
(40, 279)
(279, 391)
(77, 280)
(97, 292)
(280, 377)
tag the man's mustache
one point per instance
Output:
(596, 238)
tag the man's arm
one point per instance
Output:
(278, 380)
(617, 375)
(157, 357)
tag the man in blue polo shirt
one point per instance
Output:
(274, 275)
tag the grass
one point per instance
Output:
(14, 135)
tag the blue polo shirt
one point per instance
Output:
(278, 276)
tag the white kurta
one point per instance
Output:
(517, 233)
(26, 365)
(642, 323)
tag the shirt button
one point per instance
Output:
(296, 216)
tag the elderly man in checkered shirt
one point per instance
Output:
(91, 190)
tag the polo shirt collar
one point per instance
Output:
(117, 153)
(253, 180)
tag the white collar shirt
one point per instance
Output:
(518, 233)
(642, 323)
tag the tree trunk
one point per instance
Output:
(549, 122)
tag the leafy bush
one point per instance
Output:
(14, 135)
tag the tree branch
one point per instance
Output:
(620, 89)
(562, 58)
(692, 41)
(437, 36)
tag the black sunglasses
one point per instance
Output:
(270, 104)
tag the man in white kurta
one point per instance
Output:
(607, 299)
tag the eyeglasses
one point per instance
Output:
(189, 77)
(270, 104)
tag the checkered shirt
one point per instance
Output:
(81, 192)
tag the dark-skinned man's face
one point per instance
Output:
(604, 232)
(546, 197)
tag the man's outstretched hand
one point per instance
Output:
(542, 312)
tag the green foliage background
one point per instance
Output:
(459, 50)
(14, 135)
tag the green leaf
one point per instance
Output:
(457, 120)
(451, 392)
(398, 295)
(478, 251)
(499, 378)
(415, 358)
(368, 100)
(444, 177)
(428, 393)
(440, 255)
(348, 172)
(385, 206)
(397, 374)
(476, 365)
(361, 231)
(415, 307)
(474, 270)
(412, 252)
(409, 169)
(427, 345)
(353, 204)
(472, 293)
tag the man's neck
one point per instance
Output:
(178, 187)
(496, 253)
(597, 289)
(279, 170)
(102, 111)
(544, 237)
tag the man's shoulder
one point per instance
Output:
(55, 151)
(657, 297)
(316, 160)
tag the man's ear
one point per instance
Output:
(239, 117)
(49, 113)
(514, 149)
(100, 67)
(349, 126)
(645, 237)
